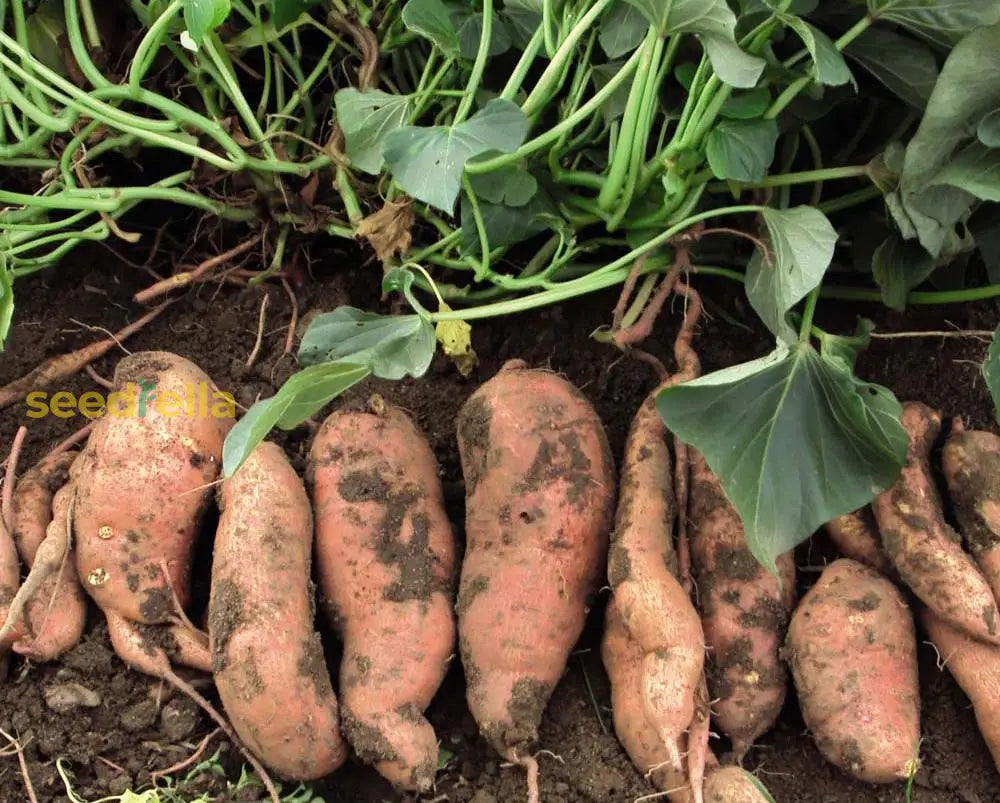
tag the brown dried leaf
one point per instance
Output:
(389, 229)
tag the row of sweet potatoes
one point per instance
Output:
(541, 491)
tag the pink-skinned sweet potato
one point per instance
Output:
(856, 536)
(733, 785)
(142, 484)
(386, 566)
(744, 613)
(926, 552)
(853, 653)
(971, 464)
(656, 612)
(56, 614)
(267, 658)
(539, 482)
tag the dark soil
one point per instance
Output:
(121, 725)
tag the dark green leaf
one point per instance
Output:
(988, 129)
(741, 150)
(688, 16)
(469, 27)
(747, 105)
(614, 106)
(905, 66)
(991, 371)
(302, 395)
(898, 266)
(44, 28)
(622, 30)
(831, 69)
(967, 89)
(684, 73)
(428, 162)
(984, 226)
(393, 346)
(511, 185)
(523, 17)
(285, 12)
(366, 118)
(976, 170)
(505, 225)
(943, 22)
(432, 20)
(801, 247)
(203, 16)
(733, 65)
(846, 348)
(795, 439)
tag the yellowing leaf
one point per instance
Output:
(455, 338)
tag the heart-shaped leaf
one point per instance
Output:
(432, 20)
(202, 16)
(741, 150)
(366, 118)
(831, 69)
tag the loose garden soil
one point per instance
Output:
(138, 726)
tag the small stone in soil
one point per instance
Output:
(179, 719)
(64, 697)
(138, 717)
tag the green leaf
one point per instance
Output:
(741, 150)
(991, 371)
(366, 118)
(428, 162)
(831, 69)
(988, 129)
(203, 16)
(392, 346)
(975, 169)
(432, 20)
(622, 30)
(6, 300)
(967, 89)
(469, 27)
(688, 16)
(523, 18)
(505, 225)
(747, 105)
(802, 244)
(302, 395)
(685, 73)
(905, 66)
(795, 439)
(846, 348)
(733, 65)
(943, 22)
(44, 28)
(984, 226)
(285, 12)
(614, 106)
(511, 185)
(898, 266)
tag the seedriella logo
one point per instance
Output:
(135, 400)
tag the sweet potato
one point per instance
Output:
(386, 564)
(744, 613)
(623, 660)
(857, 537)
(539, 483)
(971, 463)
(656, 611)
(976, 668)
(142, 484)
(56, 614)
(853, 653)
(267, 658)
(733, 785)
(926, 552)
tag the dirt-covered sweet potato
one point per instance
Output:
(853, 653)
(56, 613)
(971, 464)
(142, 484)
(856, 536)
(655, 610)
(976, 668)
(744, 613)
(267, 658)
(539, 483)
(926, 552)
(386, 564)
